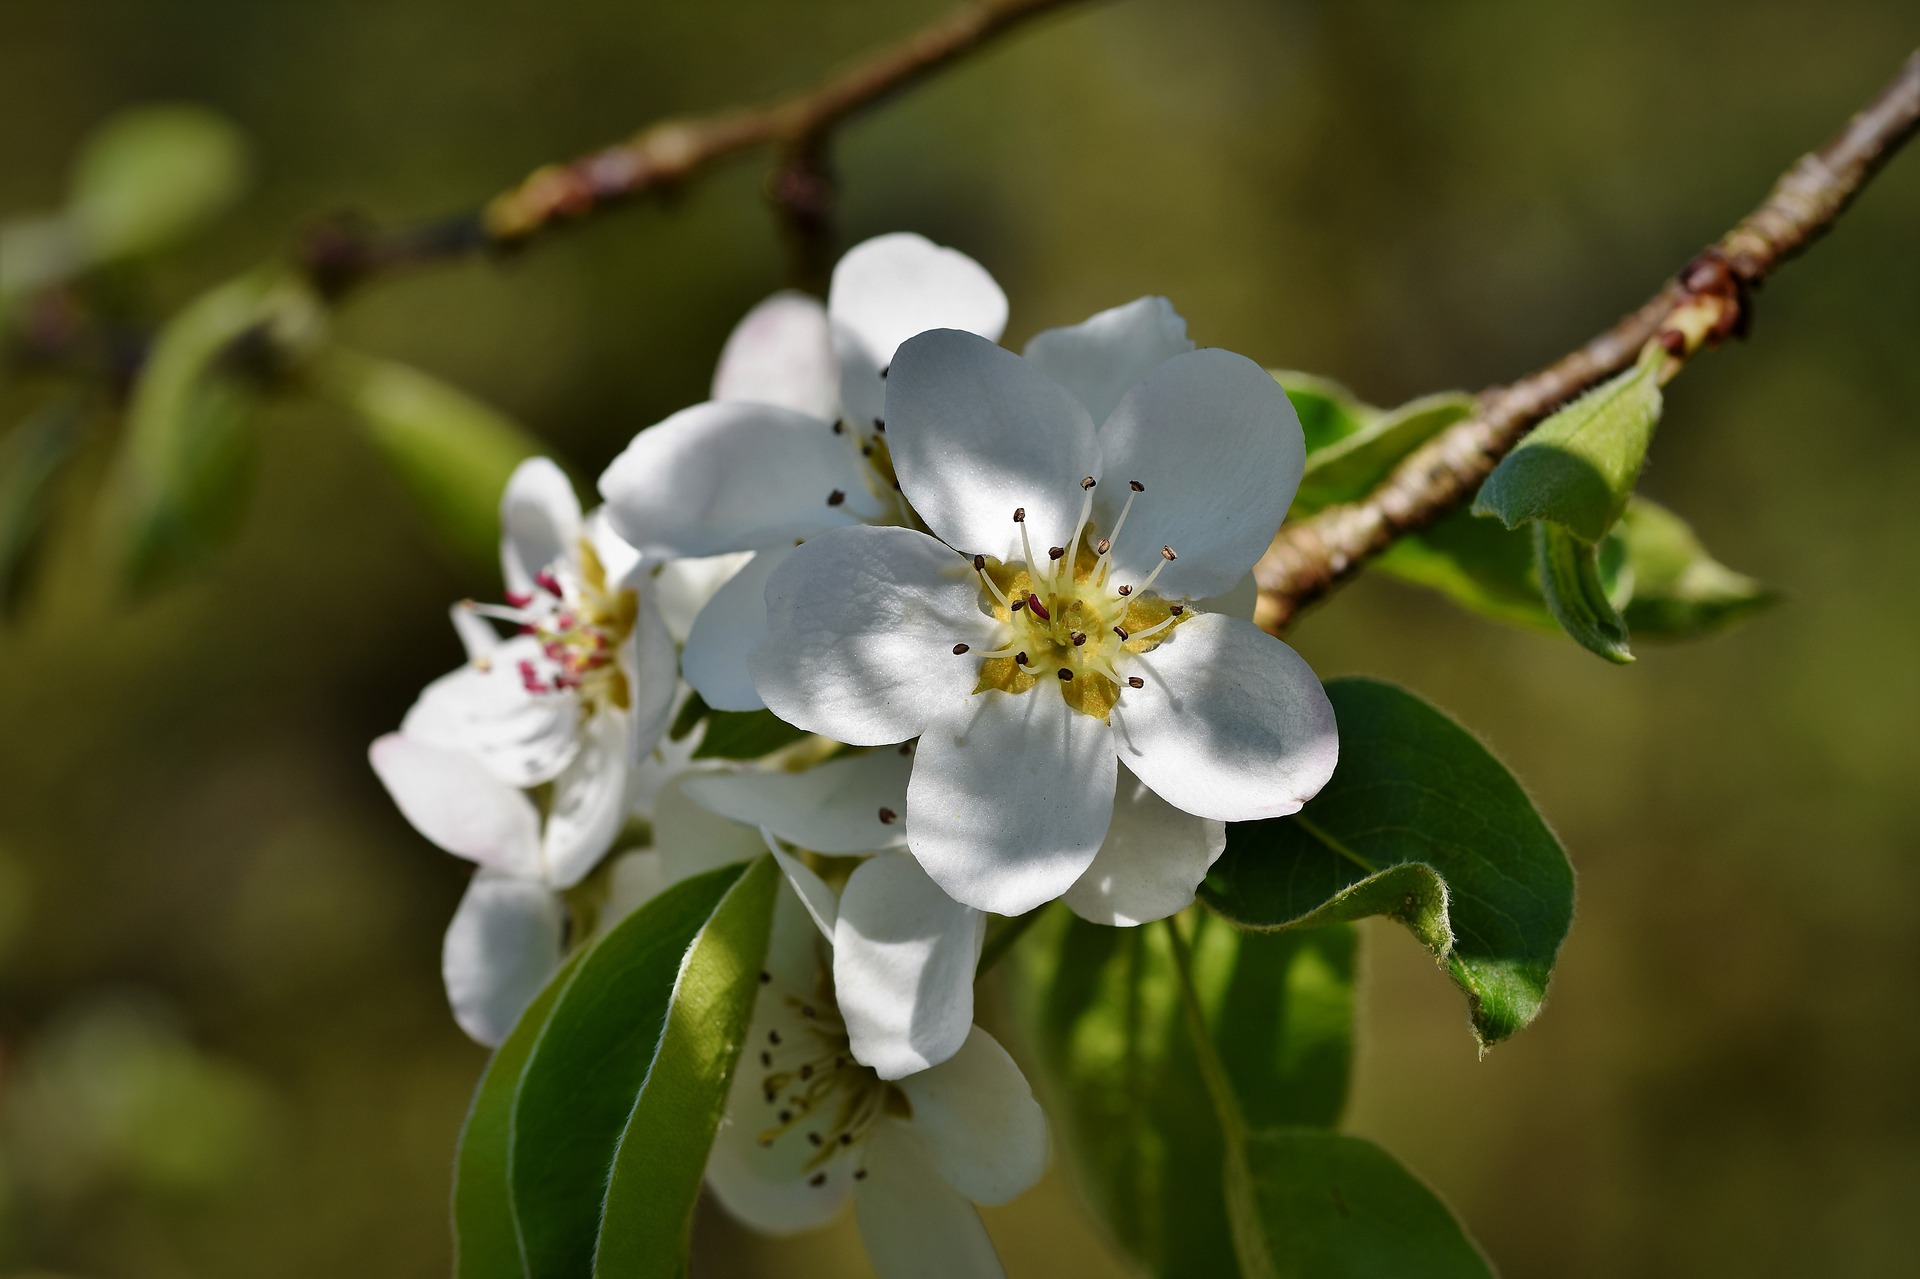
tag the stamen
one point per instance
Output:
(836, 497)
(1176, 609)
(1017, 605)
(1088, 482)
(1167, 556)
(1121, 631)
(1126, 590)
(1019, 515)
(1155, 629)
(1066, 674)
(1078, 638)
(838, 427)
(1136, 486)
(1134, 681)
(879, 426)
(888, 817)
(959, 649)
(1020, 659)
(1103, 546)
(1039, 609)
(1055, 552)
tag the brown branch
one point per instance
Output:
(1313, 556)
(343, 254)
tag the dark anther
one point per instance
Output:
(786, 1116)
(1102, 546)
(836, 497)
(859, 1174)
(818, 1179)
(879, 426)
(1017, 605)
(866, 450)
(1087, 483)
(1177, 609)
(1039, 609)
(1126, 590)
(773, 1037)
(1055, 552)
(1079, 638)
(846, 1139)
(839, 427)
(1066, 674)
(766, 1059)
(979, 563)
(888, 817)
(1166, 553)
(806, 1072)
(1019, 515)
(959, 649)
(1136, 486)
(815, 1140)
(1121, 631)
(765, 976)
(1020, 658)
(1134, 681)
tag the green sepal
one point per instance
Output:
(1422, 824)
(1570, 579)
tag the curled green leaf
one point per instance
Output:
(1679, 590)
(33, 456)
(152, 177)
(1349, 467)
(1570, 579)
(1328, 411)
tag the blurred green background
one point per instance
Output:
(223, 1045)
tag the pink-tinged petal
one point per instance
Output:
(724, 477)
(1103, 358)
(904, 955)
(453, 800)
(977, 433)
(1229, 723)
(539, 522)
(501, 948)
(978, 1120)
(861, 626)
(1152, 861)
(781, 354)
(1010, 798)
(1218, 446)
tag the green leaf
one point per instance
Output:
(1477, 564)
(1421, 823)
(589, 1065)
(1328, 411)
(33, 456)
(745, 735)
(1577, 468)
(1101, 1008)
(180, 480)
(662, 1154)
(485, 1244)
(153, 176)
(1339, 1207)
(1679, 590)
(1576, 595)
(452, 453)
(1350, 467)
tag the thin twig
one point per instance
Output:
(1312, 557)
(660, 157)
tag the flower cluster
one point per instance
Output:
(1008, 597)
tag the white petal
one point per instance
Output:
(833, 807)
(589, 801)
(977, 432)
(977, 1118)
(484, 708)
(1219, 448)
(539, 522)
(620, 558)
(904, 955)
(451, 798)
(476, 633)
(652, 666)
(633, 879)
(1152, 861)
(690, 840)
(1103, 358)
(683, 587)
(720, 646)
(915, 1226)
(732, 477)
(861, 624)
(1238, 602)
(822, 906)
(1231, 724)
(502, 946)
(781, 354)
(891, 287)
(1010, 799)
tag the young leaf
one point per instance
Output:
(452, 453)
(589, 1063)
(1679, 590)
(1339, 1207)
(1477, 564)
(1570, 579)
(154, 176)
(485, 1243)
(1349, 467)
(745, 735)
(1420, 822)
(32, 457)
(1328, 412)
(1577, 468)
(1101, 1008)
(662, 1153)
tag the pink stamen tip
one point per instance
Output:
(1039, 609)
(517, 600)
(547, 582)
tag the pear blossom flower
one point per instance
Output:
(793, 441)
(808, 1126)
(1045, 641)
(570, 703)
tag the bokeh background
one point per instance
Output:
(223, 1045)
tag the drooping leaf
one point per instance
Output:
(1328, 411)
(485, 1243)
(1351, 466)
(1679, 590)
(588, 1065)
(153, 176)
(1101, 1008)
(662, 1154)
(32, 458)
(452, 453)
(1577, 469)
(1476, 563)
(1570, 578)
(1419, 822)
(745, 735)
(1339, 1207)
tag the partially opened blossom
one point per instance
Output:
(569, 704)
(794, 440)
(1045, 641)
(808, 1126)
